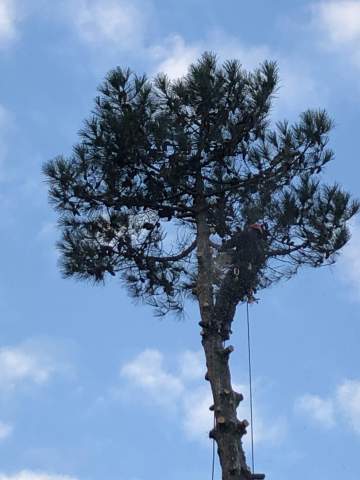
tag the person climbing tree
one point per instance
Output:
(197, 157)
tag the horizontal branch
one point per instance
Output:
(174, 258)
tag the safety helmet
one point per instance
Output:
(258, 227)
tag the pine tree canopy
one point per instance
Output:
(155, 154)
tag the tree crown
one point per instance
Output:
(155, 154)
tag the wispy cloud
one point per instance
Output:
(8, 21)
(197, 420)
(298, 89)
(348, 399)
(31, 362)
(122, 26)
(175, 55)
(338, 22)
(192, 365)
(321, 410)
(344, 403)
(18, 365)
(116, 23)
(186, 395)
(32, 475)
(147, 372)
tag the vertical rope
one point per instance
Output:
(250, 385)
(213, 454)
(251, 402)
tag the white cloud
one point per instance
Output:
(5, 430)
(192, 365)
(228, 47)
(330, 412)
(349, 263)
(348, 399)
(298, 90)
(32, 362)
(8, 20)
(197, 418)
(340, 20)
(266, 433)
(187, 397)
(119, 23)
(31, 475)
(175, 56)
(339, 23)
(17, 365)
(322, 411)
(147, 372)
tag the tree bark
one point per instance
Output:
(228, 430)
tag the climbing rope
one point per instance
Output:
(251, 400)
(213, 453)
(250, 387)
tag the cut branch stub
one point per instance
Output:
(225, 392)
(238, 397)
(221, 420)
(242, 426)
(227, 351)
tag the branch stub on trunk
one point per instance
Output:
(221, 420)
(227, 351)
(238, 397)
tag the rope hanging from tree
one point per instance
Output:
(250, 387)
(254, 476)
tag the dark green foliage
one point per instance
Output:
(132, 180)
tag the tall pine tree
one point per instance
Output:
(184, 190)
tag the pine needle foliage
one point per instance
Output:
(127, 196)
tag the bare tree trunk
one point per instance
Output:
(228, 429)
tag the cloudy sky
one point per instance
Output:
(94, 387)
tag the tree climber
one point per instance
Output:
(240, 261)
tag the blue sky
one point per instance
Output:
(94, 387)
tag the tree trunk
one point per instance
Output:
(228, 429)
